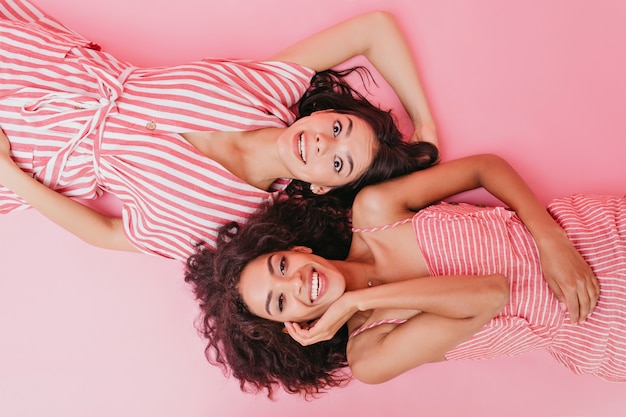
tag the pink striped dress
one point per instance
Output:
(466, 239)
(83, 122)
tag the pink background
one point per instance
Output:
(88, 332)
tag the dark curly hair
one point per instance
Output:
(392, 158)
(256, 351)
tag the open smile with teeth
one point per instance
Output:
(315, 286)
(301, 147)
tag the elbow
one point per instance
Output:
(493, 164)
(382, 17)
(381, 21)
(109, 235)
(491, 159)
(373, 371)
(366, 374)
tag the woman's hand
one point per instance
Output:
(378, 37)
(326, 326)
(569, 276)
(426, 132)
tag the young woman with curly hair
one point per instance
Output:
(421, 282)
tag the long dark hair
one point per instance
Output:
(394, 156)
(256, 351)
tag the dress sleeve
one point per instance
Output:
(273, 87)
(48, 36)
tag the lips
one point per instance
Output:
(301, 147)
(316, 285)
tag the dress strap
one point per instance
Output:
(381, 228)
(375, 324)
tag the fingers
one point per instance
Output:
(580, 300)
(415, 138)
(303, 336)
(588, 296)
(294, 329)
(594, 290)
(573, 303)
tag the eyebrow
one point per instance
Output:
(269, 295)
(349, 157)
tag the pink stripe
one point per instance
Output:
(171, 194)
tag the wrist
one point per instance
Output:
(7, 168)
(426, 131)
(10, 172)
(357, 300)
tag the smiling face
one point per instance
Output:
(293, 285)
(327, 149)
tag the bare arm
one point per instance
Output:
(377, 37)
(453, 308)
(82, 221)
(568, 275)
(458, 297)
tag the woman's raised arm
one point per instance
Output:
(566, 272)
(84, 222)
(377, 37)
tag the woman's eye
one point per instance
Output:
(281, 302)
(338, 164)
(281, 265)
(336, 128)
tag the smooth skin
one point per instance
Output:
(258, 157)
(452, 308)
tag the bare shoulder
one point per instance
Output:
(378, 205)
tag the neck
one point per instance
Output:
(251, 155)
(358, 274)
(259, 157)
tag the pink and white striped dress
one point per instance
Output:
(471, 240)
(83, 122)
(465, 239)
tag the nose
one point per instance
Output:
(322, 143)
(295, 282)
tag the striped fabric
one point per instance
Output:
(83, 122)
(465, 239)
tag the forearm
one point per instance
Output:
(452, 310)
(500, 179)
(389, 52)
(566, 272)
(377, 37)
(84, 222)
(450, 296)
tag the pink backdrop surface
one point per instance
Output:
(89, 332)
